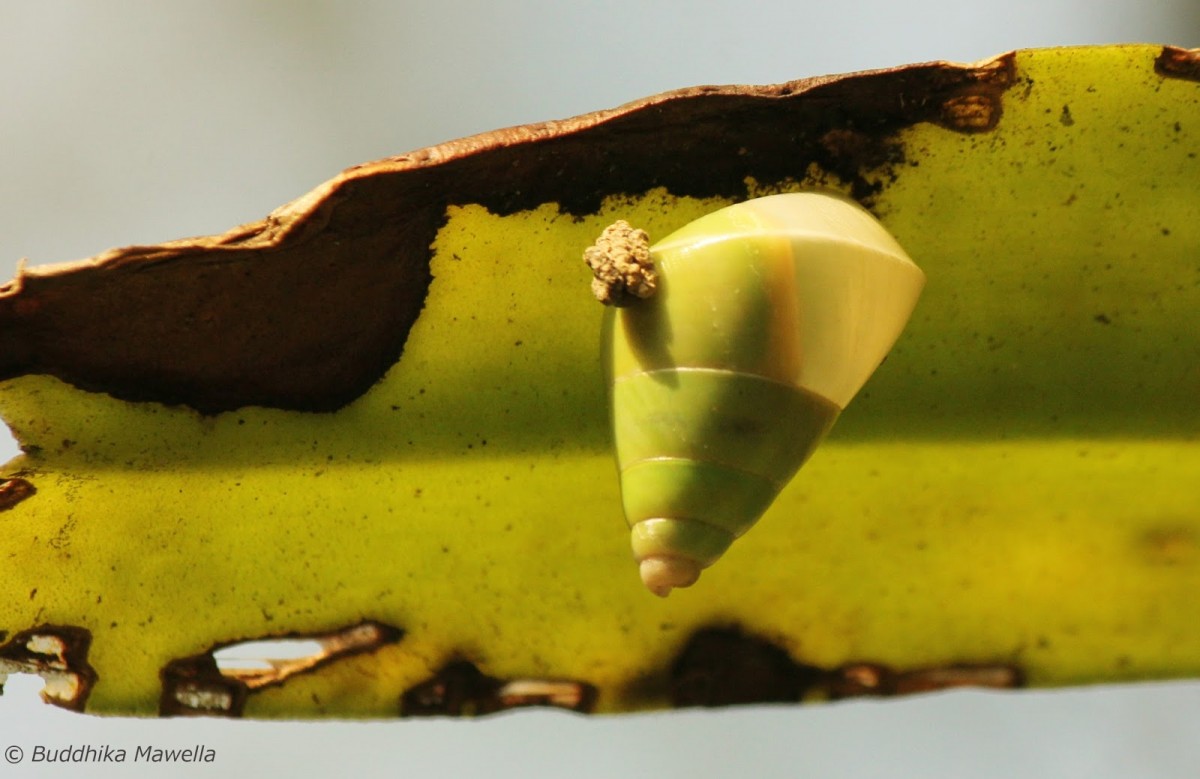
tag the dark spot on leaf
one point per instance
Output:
(57, 653)
(971, 113)
(1175, 62)
(875, 679)
(460, 689)
(13, 491)
(858, 679)
(725, 667)
(1171, 544)
(193, 686)
(996, 677)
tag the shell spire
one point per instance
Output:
(769, 316)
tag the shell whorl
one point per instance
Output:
(769, 316)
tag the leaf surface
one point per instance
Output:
(383, 406)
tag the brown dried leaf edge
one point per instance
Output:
(307, 308)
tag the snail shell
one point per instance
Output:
(769, 316)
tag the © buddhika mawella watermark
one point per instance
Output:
(106, 753)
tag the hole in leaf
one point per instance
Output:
(460, 689)
(58, 654)
(252, 658)
(8, 444)
(218, 681)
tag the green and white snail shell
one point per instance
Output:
(769, 317)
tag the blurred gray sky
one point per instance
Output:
(137, 122)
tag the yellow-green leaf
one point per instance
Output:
(377, 418)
